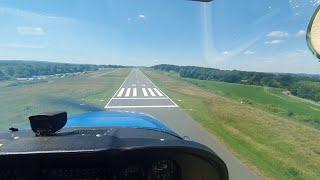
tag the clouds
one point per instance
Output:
(300, 33)
(277, 37)
(249, 53)
(139, 17)
(277, 34)
(30, 31)
(142, 16)
(276, 41)
(225, 53)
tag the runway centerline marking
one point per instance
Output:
(144, 92)
(128, 92)
(121, 92)
(151, 92)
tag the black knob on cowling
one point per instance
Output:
(48, 123)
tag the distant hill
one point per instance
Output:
(302, 85)
(24, 69)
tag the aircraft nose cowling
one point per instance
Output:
(117, 119)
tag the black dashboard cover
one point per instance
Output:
(72, 141)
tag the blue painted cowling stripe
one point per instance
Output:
(117, 119)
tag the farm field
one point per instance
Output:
(75, 94)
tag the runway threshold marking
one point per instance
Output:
(118, 90)
(157, 91)
(162, 92)
(149, 98)
(134, 93)
(144, 92)
(121, 92)
(128, 92)
(164, 106)
(151, 92)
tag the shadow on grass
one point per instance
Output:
(70, 103)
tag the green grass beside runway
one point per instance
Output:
(76, 94)
(271, 99)
(272, 142)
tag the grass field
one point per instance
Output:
(77, 94)
(273, 142)
(270, 99)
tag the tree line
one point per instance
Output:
(24, 69)
(301, 85)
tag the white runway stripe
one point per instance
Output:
(128, 92)
(120, 92)
(158, 92)
(151, 92)
(139, 98)
(134, 93)
(144, 92)
(155, 106)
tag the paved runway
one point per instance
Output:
(137, 93)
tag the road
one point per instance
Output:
(138, 93)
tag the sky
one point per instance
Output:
(251, 35)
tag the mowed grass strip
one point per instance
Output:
(278, 147)
(77, 94)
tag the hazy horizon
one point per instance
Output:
(158, 64)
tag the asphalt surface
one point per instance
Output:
(138, 93)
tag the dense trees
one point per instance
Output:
(24, 69)
(306, 89)
(305, 86)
